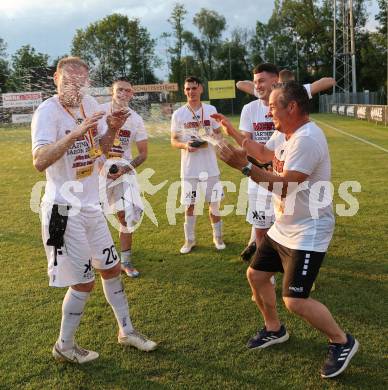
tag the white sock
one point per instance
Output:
(253, 235)
(115, 295)
(126, 256)
(72, 310)
(189, 227)
(217, 229)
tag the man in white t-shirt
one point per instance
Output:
(256, 124)
(297, 242)
(190, 125)
(68, 136)
(249, 87)
(121, 188)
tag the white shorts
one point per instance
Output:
(260, 210)
(87, 245)
(192, 188)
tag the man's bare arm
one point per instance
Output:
(246, 86)
(142, 148)
(114, 121)
(176, 143)
(257, 150)
(217, 133)
(237, 158)
(322, 85)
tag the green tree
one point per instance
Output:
(176, 64)
(259, 43)
(299, 36)
(117, 46)
(234, 62)
(4, 66)
(28, 65)
(382, 16)
(371, 52)
(210, 25)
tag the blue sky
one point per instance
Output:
(49, 25)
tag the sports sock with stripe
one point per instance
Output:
(72, 311)
(116, 297)
(189, 227)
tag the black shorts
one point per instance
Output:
(300, 267)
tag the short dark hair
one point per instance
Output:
(193, 79)
(286, 75)
(266, 67)
(293, 91)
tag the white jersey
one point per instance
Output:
(307, 87)
(255, 120)
(305, 223)
(186, 125)
(133, 130)
(73, 179)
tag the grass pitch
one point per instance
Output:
(198, 306)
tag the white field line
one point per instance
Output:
(353, 136)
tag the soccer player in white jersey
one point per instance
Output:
(199, 168)
(297, 242)
(67, 138)
(118, 192)
(256, 124)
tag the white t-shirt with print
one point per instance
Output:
(73, 179)
(304, 221)
(133, 130)
(255, 120)
(186, 126)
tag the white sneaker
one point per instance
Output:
(129, 269)
(219, 243)
(138, 341)
(75, 355)
(187, 247)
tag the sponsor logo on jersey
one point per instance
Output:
(124, 133)
(194, 125)
(263, 126)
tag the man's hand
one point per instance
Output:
(234, 157)
(122, 170)
(224, 122)
(117, 119)
(87, 124)
(190, 148)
